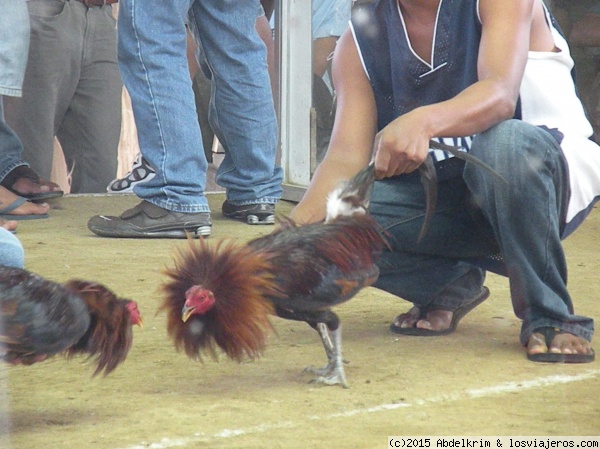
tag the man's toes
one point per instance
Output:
(408, 319)
(32, 208)
(565, 343)
(437, 320)
(536, 344)
(9, 225)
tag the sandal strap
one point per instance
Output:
(22, 171)
(549, 333)
(12, 206)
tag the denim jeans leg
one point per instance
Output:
(242, 112)
(14, 46)
(525, 216)
(11, 147)
(152, 57)
(430, 273)
(11, 253)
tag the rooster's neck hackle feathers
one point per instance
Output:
(352, 197)
(109, 336)
(239, 278)
(43, 318)
(38, 318)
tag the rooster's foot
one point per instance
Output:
(325, 371)
(337, 377)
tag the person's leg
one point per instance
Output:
(90, 130)
(152, 58)
(526, 215)
(32, 117)
(14, 45)
(35, 116)
(431, 273)
(242, 111)
(17, 177)
(11, 250)
(10, 147)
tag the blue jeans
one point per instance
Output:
(152, 59)
(478, 216)
(11, 250)
(14, 46)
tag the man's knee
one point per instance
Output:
(11, 249)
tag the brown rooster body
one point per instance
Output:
(40, 318)
(222, 296)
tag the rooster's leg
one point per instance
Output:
(321, 328)
(324, 334)
(333, 373)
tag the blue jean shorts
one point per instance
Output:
(14, 46)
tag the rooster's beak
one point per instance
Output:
(187, 312)
(361, 185)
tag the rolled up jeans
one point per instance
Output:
(478, 216)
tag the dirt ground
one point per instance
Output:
(474, 382)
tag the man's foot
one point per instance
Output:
(432, 322)
(147, 220)
(23, 181)
(140, 172)
(14, 207)
(257, 213)
(10, 225)
(549, 344)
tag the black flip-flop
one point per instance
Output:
(23, 171)
(457, 315)
(551, 357)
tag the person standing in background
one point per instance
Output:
(72, 90)
(153, 62)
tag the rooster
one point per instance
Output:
(222, 296)
(40, 318)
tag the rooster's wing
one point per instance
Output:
(320, 265)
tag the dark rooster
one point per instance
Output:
(222, 296)
(40, 318)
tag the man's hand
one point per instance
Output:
(400, 147)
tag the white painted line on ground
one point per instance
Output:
(506, 387)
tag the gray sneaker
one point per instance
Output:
(147, 220)
(258, 213)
